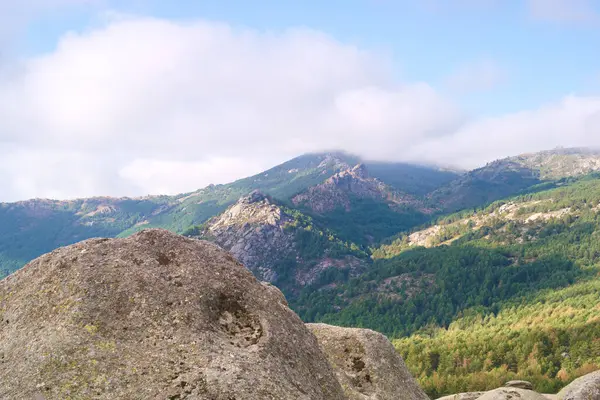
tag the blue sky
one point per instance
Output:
(195, 92)
(540, 59)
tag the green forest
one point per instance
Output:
(499, 296)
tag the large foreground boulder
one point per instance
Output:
(367, 364)
(153, 316)
(584, 388)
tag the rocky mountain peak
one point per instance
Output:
(256, 196)
(251, 210)
(339, 189)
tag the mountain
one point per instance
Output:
(33, 227)
(361, 208)
(512, 175)
(280, 245)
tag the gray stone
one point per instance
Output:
(586, 387)
(366, 364)
(509, 393)
(153, 316)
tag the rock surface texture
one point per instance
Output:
(262, 235)
(519, 384)
(253, 230)
(511, 393)
(586, 387)
(463, 396)
(366, 364)
(337, 191)
(153, 316)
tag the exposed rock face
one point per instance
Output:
(366, 364)
(510, 393)
(262, 236)
(584, 388)
(253, 230)
(337, 191)
(153, 316)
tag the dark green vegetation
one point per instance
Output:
(369, 221)
(413, 179)
(514, 293)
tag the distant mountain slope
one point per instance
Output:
(374, 202)
(417, 180)
(561, 163)
(31, 228)
(361, 208)
(282, 182)
(510, 176)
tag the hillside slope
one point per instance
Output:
(361, 208)
(512, 175)
(524, 271)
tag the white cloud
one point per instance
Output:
(564, 10)
(151, 106)
(476, 76)
(199, 92)
(175, 176)
(572, 122)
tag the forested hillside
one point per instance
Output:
(511, 290)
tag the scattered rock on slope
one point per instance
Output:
(153, 316)
(584, 388)
(519, 384)
(367, 364)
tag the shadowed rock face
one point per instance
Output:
(153, 316)
(367, 364)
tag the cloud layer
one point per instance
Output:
(150, 106)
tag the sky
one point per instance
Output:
(134, 97)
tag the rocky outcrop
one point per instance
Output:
(511, 393)
(263, 236)
(584, 388)
(338, 191)
(253, 230)
(153, 316)
(366, 364)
